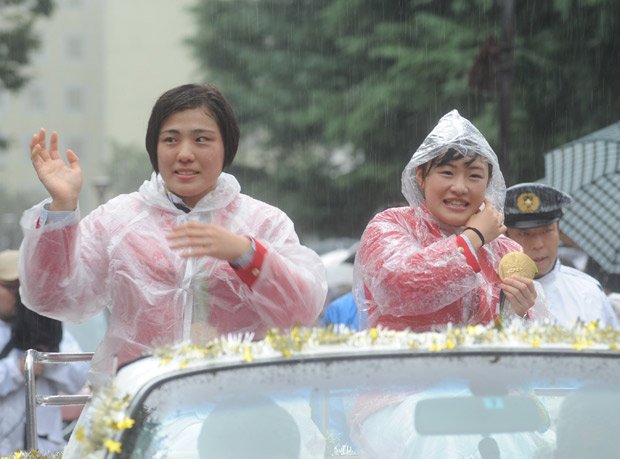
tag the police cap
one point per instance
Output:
(529, 205)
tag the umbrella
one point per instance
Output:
(589, 170)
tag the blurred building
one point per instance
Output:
(100, 68)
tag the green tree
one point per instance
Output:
(127, 168)
(566, 75)
(18, 38)
(17, 41)
(370, 78)
(13, 205)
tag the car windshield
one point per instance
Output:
(463, 405)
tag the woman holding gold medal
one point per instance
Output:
(436, 261)
(442, 259)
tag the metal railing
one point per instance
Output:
(33, 400)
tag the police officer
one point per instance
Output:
(532, 214)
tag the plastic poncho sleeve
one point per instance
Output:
(407, 278)
(291, 287)
(55, 280)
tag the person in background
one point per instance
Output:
(20, 330)
(342, 311)
(435, 261)
(614, 300)
(533, 212)
(187, 257)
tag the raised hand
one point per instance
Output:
(488, 220)
(62, 181)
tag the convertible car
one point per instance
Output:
(516, 391)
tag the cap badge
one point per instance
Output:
(528, 202)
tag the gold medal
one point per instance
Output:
(516, 264)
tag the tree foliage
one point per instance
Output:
(13, 205)
(316, 81)
(18, 39)
(127, 168)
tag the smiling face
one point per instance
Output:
(540, 243)
(190, 154)
(454, 191)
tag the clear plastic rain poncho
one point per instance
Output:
(453, 131)
(409, 270)
(118, 258)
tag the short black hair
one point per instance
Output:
(187, 97)
(34, 331)
(451, 155)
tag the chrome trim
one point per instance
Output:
(32, 400)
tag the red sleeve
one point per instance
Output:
(471, 259)
(250, 273)
(411, 267)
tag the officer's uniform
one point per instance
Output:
(571, 294)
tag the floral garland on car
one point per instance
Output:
(109, 408)
(34, 454)
(97, 435)
(108, 418)
(287, 343)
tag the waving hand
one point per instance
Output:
(62, 181)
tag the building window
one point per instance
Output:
(37, 98)
(74, 46)
(4, 161)
(75, 99)
(4, 101)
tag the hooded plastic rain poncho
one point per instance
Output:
(410, 269)
(118, 258)
(453, 131)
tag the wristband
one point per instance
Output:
(244, 260)
(478, 233)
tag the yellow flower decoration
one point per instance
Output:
(434, 347)
(581, 344)
(32, 454)
(373, 333)
(107, 417)
(112, 446)
(125, 424)
(450, 343)
(79, 434)
(247, 353)
(536, 341)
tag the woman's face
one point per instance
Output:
(8, 303)
(453, 192)
(190, 154)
